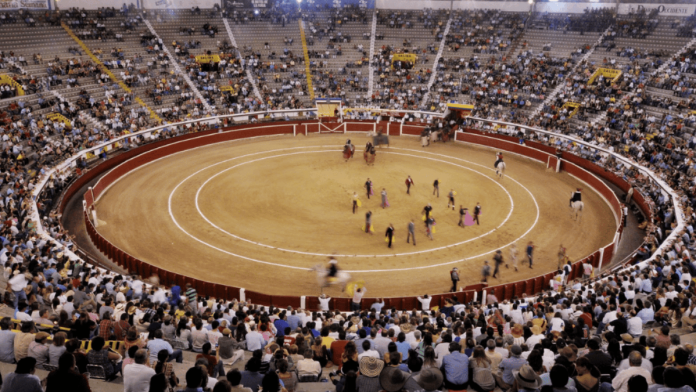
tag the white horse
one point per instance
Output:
(500, 169)
(324, 280)
(577, 207)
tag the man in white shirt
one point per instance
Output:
(368, 351)
(136, 377)
(635, 324)
(620, 382)
(537, 336)
(324, 303)
(17, 283)
(425, 302)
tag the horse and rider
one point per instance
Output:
(499, 165)
(576, 203)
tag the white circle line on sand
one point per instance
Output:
(200, 189)
(536, 220)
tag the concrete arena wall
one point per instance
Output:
(124, 163)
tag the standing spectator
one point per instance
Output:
(357, 298)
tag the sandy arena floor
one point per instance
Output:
(260, 213)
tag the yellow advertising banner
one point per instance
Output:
(608, 73)
(405, 57)
(204, 58)
(229, 89)
(59, 118)
(6, 79)
(571, 105)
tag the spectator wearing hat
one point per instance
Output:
(430, 379)
(507, 366)
(455, 368)
(228, 348)
(393, 380)
(526, 380)
(23, 378)
(39, 350)
(370, 369)
(537, 336)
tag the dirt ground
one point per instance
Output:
(259, 213)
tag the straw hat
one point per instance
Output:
(536, 330)
(430, 379)
(628, 338)
(392, 379)
(370, 366)
(527, 378)
(517, 331)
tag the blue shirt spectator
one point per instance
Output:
(456, 368)
(508, 365)
(647, 315)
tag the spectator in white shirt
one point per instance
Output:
(324, 302)
(557, 323)
(136, 377)
(635, 324)
(368, 351)
(425, 302)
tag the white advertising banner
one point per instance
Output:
(413, 4)
(509, 6)
(24, 4)
(570, 8)
(662, 9)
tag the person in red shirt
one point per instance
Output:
(337, 348)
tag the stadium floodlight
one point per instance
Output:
(299, 1)
(256, 12)
(531, 1)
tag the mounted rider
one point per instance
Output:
(575, 196)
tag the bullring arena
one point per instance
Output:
(240, 211)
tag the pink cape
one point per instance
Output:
(468, 219)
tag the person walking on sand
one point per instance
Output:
(356, 201)
(451, 195)
(513, 255)
(385, 202)
(427, 210)
(368, 187)
(530, 253)
(485, 272)
(498, 260)
(477, 212)
(368, 222)
(409, 182)
(454, 275)
(411, 232)
(389, 234)
(436, 187)
(429, 222)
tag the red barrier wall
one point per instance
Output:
(145, 154)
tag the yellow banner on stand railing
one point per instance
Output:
(608, 73)
(205, 58)
(405, 57)
(6, 79)
(59, 118)
(228, 89)
(575, 106)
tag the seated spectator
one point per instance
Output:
(235, 378)
(72, 346)
(455, 368)
(215, 367)
(289, 379)
(162, 365)
(7, 338)
(158, 344)
(228, 348)
(308, 366)
(57, 348)
(620, 382)
(199, 337)
(251, 378)
(101, 356)
(38, 349)
(23, 339)
(23, 378)
(66, 378)
(136, 377)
